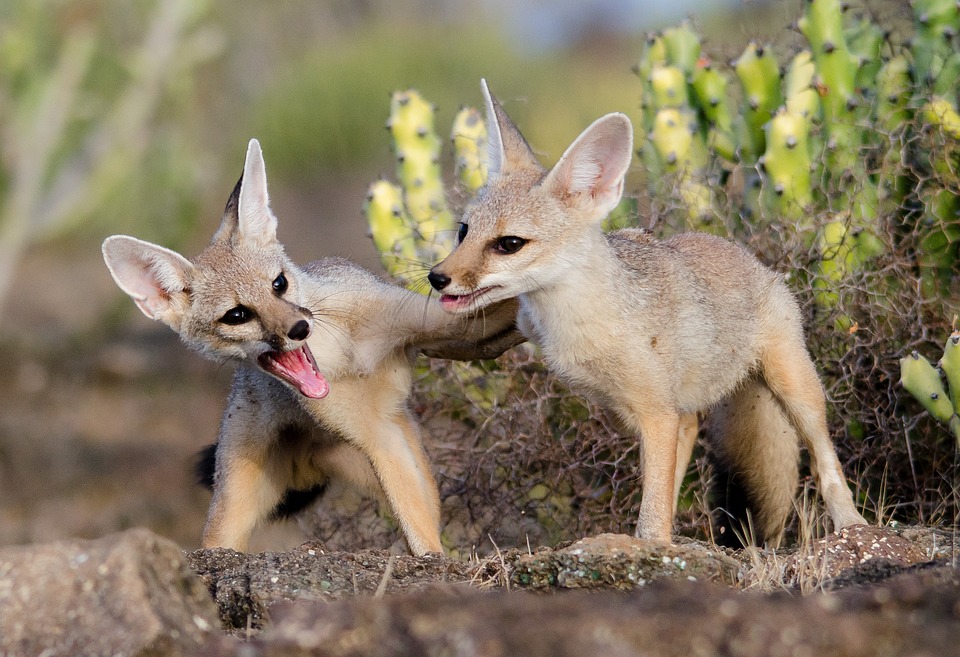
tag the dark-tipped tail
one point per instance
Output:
(295, 501)
(206, 465)
(292, 503)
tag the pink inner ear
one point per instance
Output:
(151, 279)
(595, 164)
(587, 175)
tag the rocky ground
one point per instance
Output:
(873, 591)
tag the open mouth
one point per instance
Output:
(298, 368)
(451, 302)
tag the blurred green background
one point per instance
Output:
(132, 116)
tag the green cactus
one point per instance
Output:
(411, 224)
(417, 148)
(710, 91)
(893, 94)
(941, 113)
(786, 164)
(391, 228)
(759, 74)
(469, 137)
(923, 381)
(799, 92)
(950, 364)
(682, 152)
(822, 25)
(865, 39)
(945, 83)
(654, 54)
(936, 27)
(669, 87)
(675, 152)
(682, 46)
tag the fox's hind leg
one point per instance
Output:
(243, 496)
(789, 373)
(245, 486)
(686, 438)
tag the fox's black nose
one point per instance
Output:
(438, 280)
(299, 331)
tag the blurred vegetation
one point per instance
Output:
(336, 93)
(95, 99)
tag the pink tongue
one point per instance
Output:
(300, 371)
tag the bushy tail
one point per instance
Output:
(292, 503)
(206, 465)
(755, 452)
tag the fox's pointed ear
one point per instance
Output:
(157, 279)
(231, 214)
(255, 221)
(506, 148)
(590, 175)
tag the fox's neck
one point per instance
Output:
(579, 291)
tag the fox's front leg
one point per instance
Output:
(403, 470)
(659, 433)
(370, 414)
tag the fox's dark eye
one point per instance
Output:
(237, 315)
(280, 284)
(462, 233)
(509, 244)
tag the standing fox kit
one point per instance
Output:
(657, 331)
(325, 353)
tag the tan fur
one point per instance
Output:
(658, 331)
(363, 334)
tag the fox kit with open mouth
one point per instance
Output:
(657, 331)
(325, 355)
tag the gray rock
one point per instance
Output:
(615, 561)
(908, 617)
(125, 594)
(246, 586)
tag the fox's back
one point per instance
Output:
(697, 269)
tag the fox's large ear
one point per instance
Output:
(255, 221)
(157, 279)
(590, 174)
(506, 148)
(231, 214)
